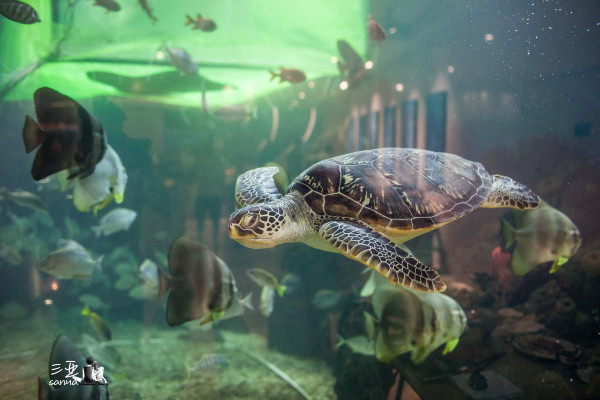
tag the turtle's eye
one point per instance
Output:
(248, 220)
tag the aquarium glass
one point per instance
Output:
(343, 199)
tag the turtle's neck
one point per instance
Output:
(299, 216)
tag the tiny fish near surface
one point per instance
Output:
(19, 12)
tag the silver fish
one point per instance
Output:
(267, 299)
(234, 113)
(358, 344)
(23, 199)
(70, 262)
(119, 219)
(541, 235)
(210, 362)
(181, 60)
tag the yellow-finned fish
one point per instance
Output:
(541, 235)
(201, 285)
(266, 279)
(415, 322)
(98, 323)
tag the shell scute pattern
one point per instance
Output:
(400, 189)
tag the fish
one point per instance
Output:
(106, 183)
(70, 262)
(281, 178)
(181, 59)
(205, 108)
(209, 363)
(352, 68)
(266, 279)
(146, 7)
(19, 12)
(358, 344)
(541, 235)
(235, 113)
(64, 350)
(376, 32)
(23, 198)
(110, 5)
(267, 300)
(203, 24)
(149, 274)
(415, 322)
(91, 300)
(10, 255)
(327, 299)
(101, 351)
(98, 323)
(67, 135)
(118, 219)
(291, 75)
(200, 285)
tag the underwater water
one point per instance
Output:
(132, 232)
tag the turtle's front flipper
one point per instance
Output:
(382, 255)
(256, 186)
(507, 192)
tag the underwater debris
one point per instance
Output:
(358, 204)
(548, 348)
(19, 12)
(68, 136)
(285, 377)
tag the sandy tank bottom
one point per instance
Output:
(153, 363)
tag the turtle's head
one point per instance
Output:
(260, 226)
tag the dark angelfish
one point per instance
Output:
(376, 32)
(202, 285)
(19, 12)
(146, 7)
(64, 350)
(292, 75)
(67, 135)
(200, 23)
(352, 68)
(110, 5)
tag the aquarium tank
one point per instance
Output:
(342, 199)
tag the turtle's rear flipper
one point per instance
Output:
(382, 255)
(256, 186)
(507, 192)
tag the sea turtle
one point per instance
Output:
(364, 204)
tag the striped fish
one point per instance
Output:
(210, 363)
(415, 322)
(541, 235)
(18, 11)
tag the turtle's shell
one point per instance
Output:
(394, 190)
